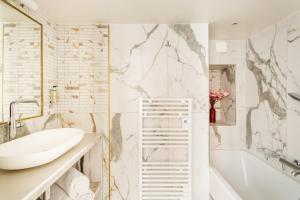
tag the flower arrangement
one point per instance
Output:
(217, 95)
(214, 97)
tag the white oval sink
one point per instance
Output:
(38, 148)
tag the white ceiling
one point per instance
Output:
(253, 15)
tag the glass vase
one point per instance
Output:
(212, 114)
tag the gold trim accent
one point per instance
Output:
(108, 46)
(22, 11)
(104, 156)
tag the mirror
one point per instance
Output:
(20, 62)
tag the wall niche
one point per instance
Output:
(223, 77)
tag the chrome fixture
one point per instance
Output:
(296, 173)
(294, 164)
(294, 96)
(297, 162)
(13, 125)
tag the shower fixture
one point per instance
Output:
(294, 96)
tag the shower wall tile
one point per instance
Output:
(293, 85)
(272, 116)
(266, 97)
(82, 68)
(266, 118)
(155, 61)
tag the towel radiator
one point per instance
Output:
(165, 149)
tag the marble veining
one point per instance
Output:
(153, 61)
(271, 87)
(116, 137)
(188, 35)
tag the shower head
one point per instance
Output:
(294, 96)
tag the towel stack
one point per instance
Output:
(72, 186)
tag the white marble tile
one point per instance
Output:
(90, 122)
(125, 156)
(267, 67)
(293, 81)
(159, 62)
(268, 134)
(187, 64)
(155, 61)
(139, 64)
(266, 92)
(200, 155)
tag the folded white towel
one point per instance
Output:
(74, 183)
(56, 193)
(89, 195)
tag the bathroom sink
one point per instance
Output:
(38, 148)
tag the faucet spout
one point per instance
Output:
(296, 173)
(12, 121)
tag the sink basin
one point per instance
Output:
(38, 148)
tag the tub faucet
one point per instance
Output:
(297, 162)
(296, 173)
(12, 121)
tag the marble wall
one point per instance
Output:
(273, 72)
(156, 61)
(232, 136)
(293, 85)
(267, 70)
(266, 93)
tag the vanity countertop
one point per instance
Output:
(29, 184)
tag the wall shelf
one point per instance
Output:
(223, 77)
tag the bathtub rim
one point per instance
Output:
(283, 172)
(229, 188)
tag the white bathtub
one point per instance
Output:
(238, 175)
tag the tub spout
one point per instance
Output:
(296, 173)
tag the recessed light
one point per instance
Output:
(234, 23)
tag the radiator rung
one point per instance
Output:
(169, 180)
